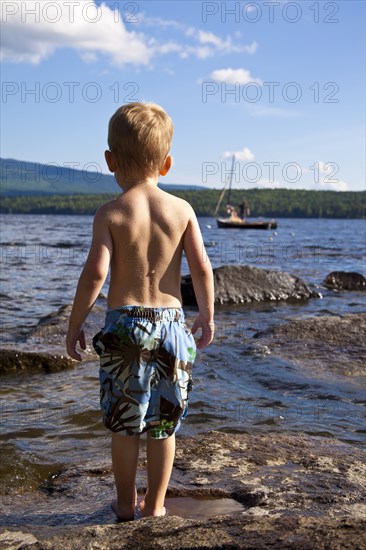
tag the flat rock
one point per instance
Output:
(337, 342)
(239, 284)
(14, 540)
(297, 492)
(306, 533)
(43, 348)
(14, 360)
(345, 280)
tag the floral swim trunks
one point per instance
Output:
(146, 356)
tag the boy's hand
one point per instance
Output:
(74, 336)
(207, 331)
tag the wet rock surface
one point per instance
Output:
(43, 348)
(306, 533)
(337, 342)
(297, 492)
(239, 284)
(52, 329)
(13, 360)
(345, 280)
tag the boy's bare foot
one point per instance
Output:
(122, 513)
(142, 511)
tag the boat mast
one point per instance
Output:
(231, 178)
(228, 182)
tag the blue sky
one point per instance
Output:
(279, 83)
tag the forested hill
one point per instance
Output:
(287, 203)
(18, 177)
(34, 188)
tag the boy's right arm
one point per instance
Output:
(202, 279)
(90, 282)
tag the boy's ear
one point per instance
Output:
(110, 160)
(166, 166)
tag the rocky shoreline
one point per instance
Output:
(297, 492)
(336, 342)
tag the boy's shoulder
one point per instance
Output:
(107, 209)
(110, 213)
(119, 204)
(177, 202)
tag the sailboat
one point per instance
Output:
(234, 221)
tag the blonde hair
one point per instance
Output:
(140, 135)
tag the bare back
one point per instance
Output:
(147, 226)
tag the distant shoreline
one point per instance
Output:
(267, 203)
(199, 216)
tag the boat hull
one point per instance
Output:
(226, 223)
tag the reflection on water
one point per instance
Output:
(40, 522)
(194, 508)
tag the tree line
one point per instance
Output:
(285, 203)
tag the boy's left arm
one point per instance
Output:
(91, 280)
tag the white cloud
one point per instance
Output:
(95, 31)
(251, 48)
(234, 76)
(168, 47)
(224, 46)
(245, 154)
(340, 185)
(207, 44)
(327, 175)
(202, 52)
(89, 57)
(151, 21)
(321, 176)
(26, 40)
(213, 44)
(211, 38)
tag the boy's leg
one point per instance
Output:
(160, 458)
(125, 453)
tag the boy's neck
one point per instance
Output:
(127, 184)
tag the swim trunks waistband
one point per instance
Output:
(150, 313)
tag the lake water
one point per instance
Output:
(52, 421)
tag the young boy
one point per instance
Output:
(146, 351)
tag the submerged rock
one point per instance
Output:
(297, 492)
(345, 280)
(13, 360)
(239, 284)
(51, 330)
(337, 342)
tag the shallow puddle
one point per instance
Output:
(194, 508)
(45, 521)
